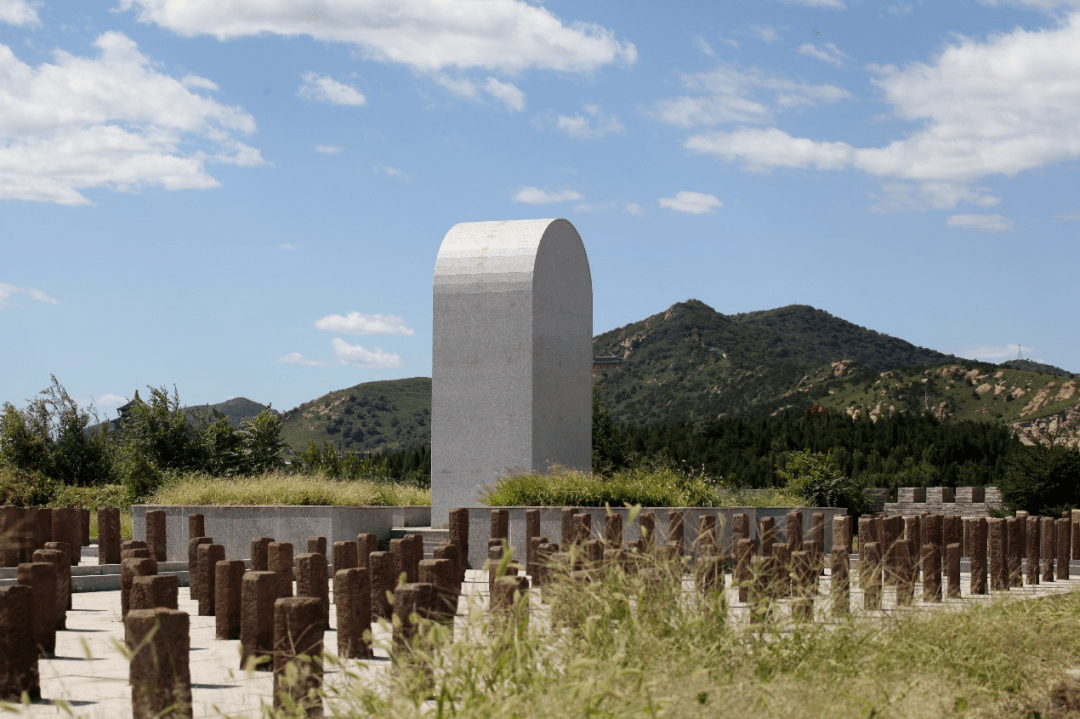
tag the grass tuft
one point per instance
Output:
(280, 489)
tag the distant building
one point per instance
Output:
(123, 410)
(601, 365)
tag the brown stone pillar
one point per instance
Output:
(905, 579)
(1034, 545)
(768, 535)
(459, 535)
(108, 523)
(159, 673)
(279, 557)
(155, 533)
(449, 552)
(510, 600)
(344, 557)
(18, 652)
(398, 551)
(969, 523)
(412, 602)
(41, 578)
(64, 521)
(1049, 545)
(582, 528)
(84, 527)
(9, 547)
(647, 529)
(44, 526)
(794, 529)
(953, 530)
(298, 647)
(440, 572)
(999, 569)
(952, 569)
(1074, 532)
(500, 524)
(802, 602)
(566, 518)
(977, 548)
(228, 598)
(931, 579)
(193, 565)
(741, 577)
(870, 574)
(933, 532)
(59, 560)
(613, 530)
(893, 531)
(532, 529)
(782, 566)
(840, 578)
(209, 556)
(260, 554)
(1064, 547)
(707, 543)
(129, 569)
(817, 530)
(154, 591)
(353, 601)
(841, 531)
(1015, 550)
(196, 526)
(416, 555)
(383, 580)
(866, 531)
(258, 592)
(365, 545)
(312, 580)
(316, 545)
(676, 531)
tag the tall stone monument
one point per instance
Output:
(511, 368)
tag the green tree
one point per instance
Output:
(1042, 479)
(261, 445)
(812, 476)
(609, 446)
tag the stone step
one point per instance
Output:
(99, 577)
(432, 537)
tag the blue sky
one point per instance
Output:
(246, 198)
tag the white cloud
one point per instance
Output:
(322, 88)
(109, 121)
(983, 223)
(993, 352)
(1069, 216)
(899, 8)
(1002, 106)
(7, 291)
(828, 52)
(703, 45)
(18, 12)
(359, 357)
(826, 4)
(635, 209)
(508, 36)
(939, 195)
(356, 323)
(507, 92)
(593, 125)
(328, 149)
(111, 400)
(286, 246)
(391, 171)
(536, 196)
(693, 203)
(1048, 6)
(297, 358)
(765, 33)
(726, 96)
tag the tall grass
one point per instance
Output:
(663, 487)
(280, 489)
(647, 645)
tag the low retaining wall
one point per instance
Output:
(235, 527)
(551, 524)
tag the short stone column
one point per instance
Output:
(156, 539)
(129, 569)
(41, 578)
(412, 602)
(893, 531)
(298, 647)
(352, 597)
(647, 529)
(802, 602)
(566, 527)
(1034, 545)
(1074, 532)
(44, 526)
(344, 557)
(440, 572)
(782, 574)
(707, 543)
(1064, 549)
(817, 530)
(59, 560)
(768, 535)
(840, 578)
(316, 545)
(196, 526)
(154, 591)
(450, 553)
(676, 535)
(841, 531)
(741, 577)
(193, 564)
(952, 569)
(999, 568)
(84, 526)
(794, 531)
(1049, 545)
(500, 524)
(933, 532)
(1015, 536)
(159, 672)
(532, 530)
(510, 601)
(312, 580)
(228, 598)
(459, 535)
(416, 554)
(108, 523)
(209, 556)
(582, 528)
(977, 550)
(65, 528)
(18, 650)
(279, 557)
(258, 592)
(260, 554)
(366, 543)
(870, 574)
(383, 580)
(399, 551)
(905, 575)
(931, 577)
(952, 530)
